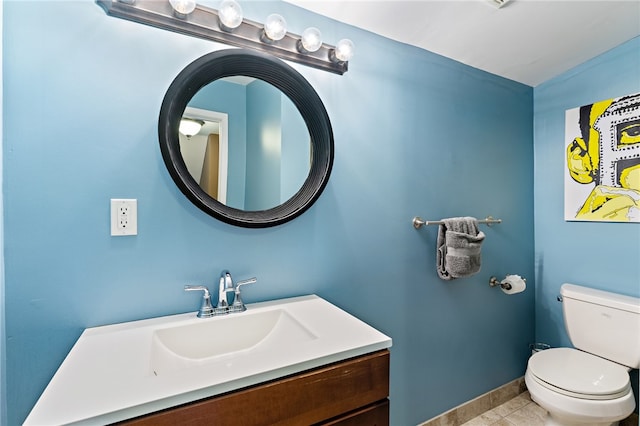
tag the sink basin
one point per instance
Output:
(121, 371)
(196, 344)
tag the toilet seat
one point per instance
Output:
(578, 374)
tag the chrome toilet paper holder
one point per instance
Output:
(494, 282)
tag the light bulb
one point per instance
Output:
(189, 127)
(182, 8)
(344, 50)
(275, 27)
(311, 39)
(230, 15)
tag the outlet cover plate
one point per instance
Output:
(124, 217)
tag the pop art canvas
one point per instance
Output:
(602, 167)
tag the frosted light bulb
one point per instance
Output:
(311, 39)
(344, 50)
(183, 7)
(230, 15)
(275, 27)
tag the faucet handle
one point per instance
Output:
(247, 281)
(206, 310)
(238, 304)
(197, 288)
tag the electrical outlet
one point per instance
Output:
(124, 217)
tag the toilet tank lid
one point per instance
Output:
(600, 297)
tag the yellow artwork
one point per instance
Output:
(602, 174)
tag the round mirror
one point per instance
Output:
(246, 138)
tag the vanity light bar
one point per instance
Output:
(203, 23)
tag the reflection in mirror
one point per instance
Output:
(253, 150)
(205, 150)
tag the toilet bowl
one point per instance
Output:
(589, 384)
(577, 388)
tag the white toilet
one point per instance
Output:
(589, 385)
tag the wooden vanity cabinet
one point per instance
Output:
(348, 393)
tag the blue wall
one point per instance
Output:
(278, 147)
(415, 133)
(3, 382)
(599, 255)
(594, 254)
(264, 136)
(296, 155)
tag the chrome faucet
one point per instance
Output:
(225, 286)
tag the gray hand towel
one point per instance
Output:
(458, 248)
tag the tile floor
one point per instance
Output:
(508, 405)
(522, 411)
(519, 411)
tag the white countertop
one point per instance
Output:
(108, 375)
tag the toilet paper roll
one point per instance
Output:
(513, 284)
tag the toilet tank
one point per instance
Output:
(603, 323)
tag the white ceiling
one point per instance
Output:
(529, 41)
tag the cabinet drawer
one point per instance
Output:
(306, 398)
(372, 415)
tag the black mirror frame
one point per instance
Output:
(232, 62)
